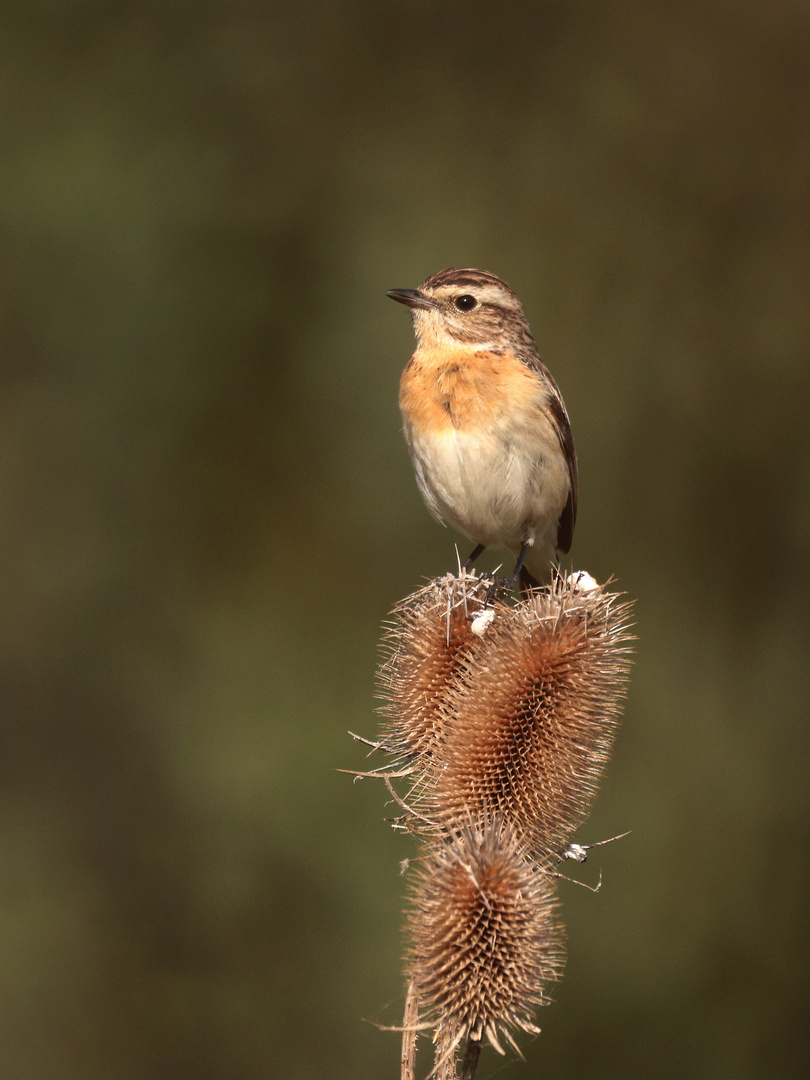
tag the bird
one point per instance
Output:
(486, 425)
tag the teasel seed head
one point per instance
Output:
(531, 718)
(429, 638)
(485, 938)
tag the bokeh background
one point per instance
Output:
(208, 510)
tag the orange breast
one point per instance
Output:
(453, 388)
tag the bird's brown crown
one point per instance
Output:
(466, 307)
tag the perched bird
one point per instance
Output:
(485, 423)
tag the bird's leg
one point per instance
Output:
(525, 548)
(497, 583)
(476, 551)
(520, 572)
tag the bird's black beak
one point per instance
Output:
(411, 298)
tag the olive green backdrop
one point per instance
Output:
(207, 510)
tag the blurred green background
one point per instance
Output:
(208, 510)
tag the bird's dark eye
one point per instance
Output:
(466, 302)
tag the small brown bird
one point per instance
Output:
(485, 423)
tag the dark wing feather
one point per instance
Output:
(568, 518)
(529, 356)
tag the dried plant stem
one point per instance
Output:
(410, 1032)
(446, 1047)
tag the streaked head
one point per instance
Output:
(466, 307)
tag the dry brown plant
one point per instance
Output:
(500, 716)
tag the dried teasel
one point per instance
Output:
(426, 645)
(533, 718)
(501, 715)
(485, 938)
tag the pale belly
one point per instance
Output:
(495, 491)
